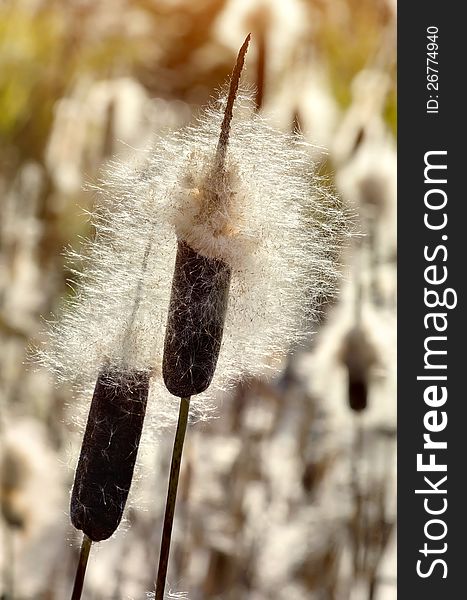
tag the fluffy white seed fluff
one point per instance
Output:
(269, 218)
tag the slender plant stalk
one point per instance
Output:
(171, 497)
(81, 570)
(233, 89)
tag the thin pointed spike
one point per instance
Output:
(81, 570)
(233, 89)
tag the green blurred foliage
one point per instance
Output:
(352, 35)
(41, 54)
(30, 50)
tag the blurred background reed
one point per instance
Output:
(290, 493)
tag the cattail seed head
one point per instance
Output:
(359, 357)
(357, 391)
(108, 453)
(268, 218)
(196, 319)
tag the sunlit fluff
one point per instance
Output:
(269, 218)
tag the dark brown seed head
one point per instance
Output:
(358, 356)
(197, 310)
(108, 454)
(357, 392)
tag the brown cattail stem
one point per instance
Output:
(233, 89)
(81, 570)
(171, 497)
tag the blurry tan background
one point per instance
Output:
(290, 493)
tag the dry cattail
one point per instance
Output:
(268, 218)
(107, 460)
(197, 312)
(200, 286)
(215, 250)
(108, 453)
(251, 228)
(198, 305)
(358, 355)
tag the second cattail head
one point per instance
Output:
(359, 357)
